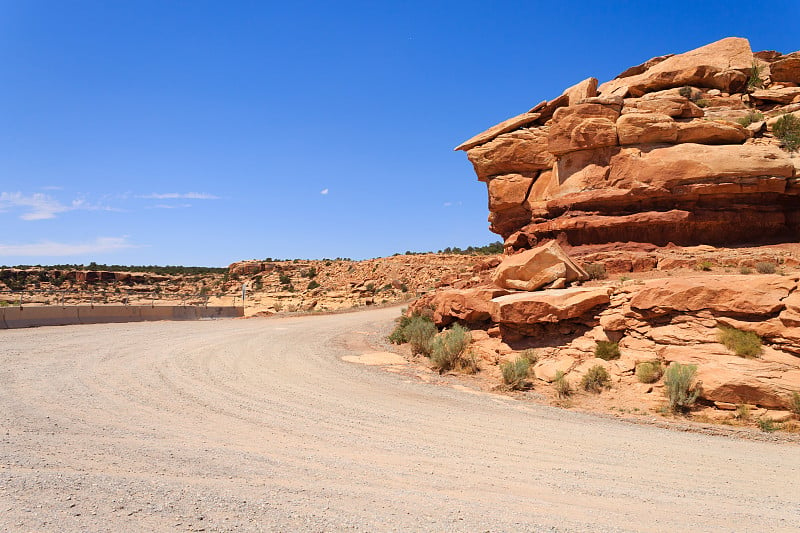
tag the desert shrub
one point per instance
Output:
(750, 117)
(701, 102)
(705, 266)
(561, 384)
(745, 270)
(596, 379)
(754, 81)
(515, 372)
(596, 271)
(416, 330)
(649, 371)
(767, 424)
(449, 348)
(312, 285)
(311, 273)
(606, 350)
(742, 412)
(531, 355)
(787, 130)
(766, 267)
(285, 279)
(686, 92)
(680, 386)
(794, 403)
(420, 333)
(742, 343)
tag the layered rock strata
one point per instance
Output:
(660, 154)
(665, 319)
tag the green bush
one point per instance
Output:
(766, 267)
(531, 355)
(745, 270)
(596, 379)
(312, 285)
(606, 350)
(705, 266)
(750, 117)
(515, 372)
(448, 350)
(794, 403)
(787, 130)
(649, 371)
(680, 388)
(420, 333)
(285, 279)
(754, 81)
(417, 330)
(768, 425)
(742, 343)
(742, 412)
(686, 92)
(561, 384)
(596, 270)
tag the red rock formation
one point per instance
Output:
(638, 159)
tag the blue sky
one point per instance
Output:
(201, 133)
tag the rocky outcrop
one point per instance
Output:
(653, 156)
(545, 266)
(664, 319)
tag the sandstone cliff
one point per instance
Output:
(679, 149)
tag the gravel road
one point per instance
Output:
(259, 425)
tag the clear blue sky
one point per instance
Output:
(201, 133)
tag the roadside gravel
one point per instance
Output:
(259, 425)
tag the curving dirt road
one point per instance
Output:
(259, 425)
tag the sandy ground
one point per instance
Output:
(260, 425)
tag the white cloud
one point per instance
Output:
(166, 206)
(50, 248)
(40, 206)
(323, 192)
(448, 204)
(180, 195)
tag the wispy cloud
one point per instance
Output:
(40, 206)
(37, 206)
(179, 195)
(324, 192)
(60, 249)
(167, 206)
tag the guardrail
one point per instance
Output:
(35, 307)
(68, 297)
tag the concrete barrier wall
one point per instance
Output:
(25, 317)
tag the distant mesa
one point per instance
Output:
(682, 149)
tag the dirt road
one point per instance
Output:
(259, 425)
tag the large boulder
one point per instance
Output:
(641, 128)
(523, 150)
(787, 68)
(510, 124)
(722, 65)
(734, 294)
(767, 381)
(532, 269)
(554, 305)
(466, 305)
(582, 127)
